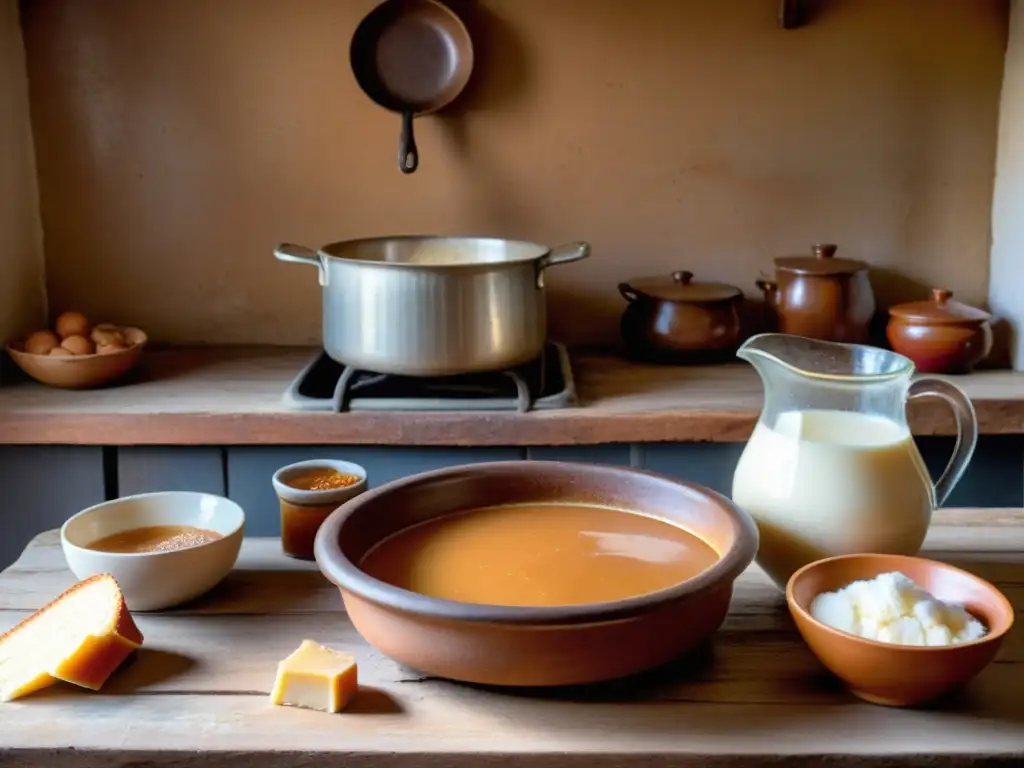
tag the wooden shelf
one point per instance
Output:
(232, 396)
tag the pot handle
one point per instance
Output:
(966, 430)
(299, 254)
(561, 254)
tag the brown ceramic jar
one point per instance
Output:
(940, 335)
(675, 319)
(820, 296)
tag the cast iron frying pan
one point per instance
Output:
(413, 57)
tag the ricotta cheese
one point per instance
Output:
(891, 608)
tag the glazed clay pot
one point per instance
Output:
(940, 335)
(676, 320)
(821, 297)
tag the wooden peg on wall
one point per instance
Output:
(792, 13)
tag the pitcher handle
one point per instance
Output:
(966, 430)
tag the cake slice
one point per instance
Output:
(81, 638)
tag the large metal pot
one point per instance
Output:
(433, 306)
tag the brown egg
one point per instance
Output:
(78, 345)
(60, 352)
(108, 349)
(41, 342)
(108, 335)
(71, 324)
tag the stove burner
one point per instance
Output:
(326, 385)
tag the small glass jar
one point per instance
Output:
(309, 491)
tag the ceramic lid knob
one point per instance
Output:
(682, 277)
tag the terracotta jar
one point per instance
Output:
(820, 296)
(675, 319)
(940, 335)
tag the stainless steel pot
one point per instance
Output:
(433, 306)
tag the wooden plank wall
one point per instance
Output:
(44, 485)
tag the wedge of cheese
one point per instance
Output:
(80, 638)
(316, 677)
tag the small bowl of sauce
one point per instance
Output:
(163, 548)
(154, 538)
(308, 491)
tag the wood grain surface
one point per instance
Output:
(232, 396)
(197, 692)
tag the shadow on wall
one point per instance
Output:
(501, 73)
(500, 68)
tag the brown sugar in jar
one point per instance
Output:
(307, 493)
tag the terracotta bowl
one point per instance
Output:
(526, 646)
(899, 675)
(80, 371)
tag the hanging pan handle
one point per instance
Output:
(408, 154)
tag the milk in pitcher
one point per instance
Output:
(826, 482)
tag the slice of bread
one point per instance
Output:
(81, 638)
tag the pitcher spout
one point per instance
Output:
(825, 359)
(766, 351)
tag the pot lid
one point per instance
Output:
(679, 286)
(823, 261)
(940, 308)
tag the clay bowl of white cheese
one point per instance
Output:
(899, 631)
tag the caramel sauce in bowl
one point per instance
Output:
(536, 573)
(163, 548)
(154, 538)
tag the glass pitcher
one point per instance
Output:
(831, 467)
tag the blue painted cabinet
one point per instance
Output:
(44, 485)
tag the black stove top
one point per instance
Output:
(326, 385)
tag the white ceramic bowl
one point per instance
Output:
(337, 496)
(152, 581)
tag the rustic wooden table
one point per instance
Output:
(196, 694)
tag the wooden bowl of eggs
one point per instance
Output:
(78, 355)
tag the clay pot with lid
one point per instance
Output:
(820, 296)
(676, 319)
(940, 335)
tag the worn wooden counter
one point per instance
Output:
(232, 396)
(197, 692)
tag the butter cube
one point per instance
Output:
(316, 677)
